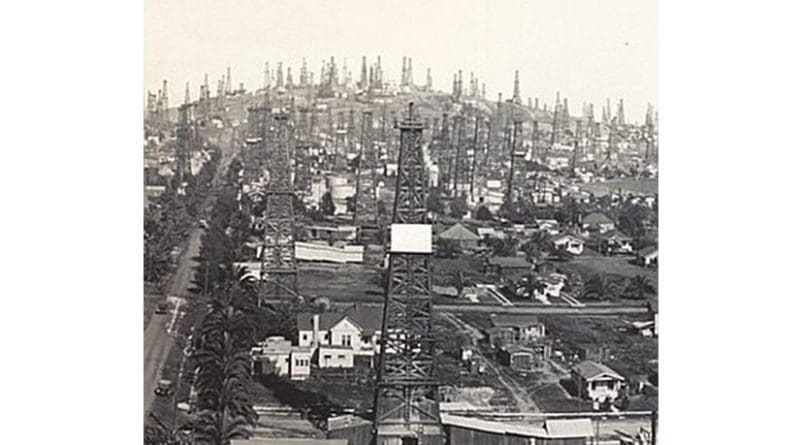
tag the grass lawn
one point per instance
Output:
(339, 282)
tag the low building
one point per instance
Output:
(597, 382)
(507, 267)
(615, 242)
(648, 257)
(524, 358)
(524, 328)
(321, 251)
(461, 236)
(470, 430)
(597, 222)
(567, 242)
(276, 355)
(332, 234)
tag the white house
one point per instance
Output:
(597, 222)
(276, 355)
(568, 242)
(648, 256)
(340, 339)
(596, 381)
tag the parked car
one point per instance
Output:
(164, 388)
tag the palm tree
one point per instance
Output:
(638, 287)
(600, 287)
(223, 369)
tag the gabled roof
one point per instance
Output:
(514, 320)
(459, 233)
(597, 218)
(559, 237)
(615, 234)
(368, 318)
(590, 370)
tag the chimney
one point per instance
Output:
(315, 334)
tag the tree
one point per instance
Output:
(223, 372)
(483, 214)
(434, 202)
(600, 288)
(638, 287)
(459, 207)
(326, 205)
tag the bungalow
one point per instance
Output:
(507, 267)
(567, 242)
(597, 222)
(524, 358)
(460, 235)
(615, 242)
(596, 381)
(524, 327)
(341, 339)
(276, 355)
(648, 257)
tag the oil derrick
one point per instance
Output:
(460, 84)
(278, 265)
(621, 113)
(406, 392)
(404, 73)
(483, 90)
(554, 131)
(365, 205)
(164, 103)
(302, 170)
(565, 113)
(184, 141)
(363, 82)
(471, 84)
(474, 157)
(187, 98)
(152, 99)
(459, 167)
(455, 86)
(444, 153)
(339, 158)
(428, 80)
(607, 112)
(577, 151)
(536, 103)
(351, 133)
(228, 84)
(515, 137)
(289, 80)
(649, 133)
(535, 139)
(304, 74)
(409, 74)
(516, 98)
(279, 76)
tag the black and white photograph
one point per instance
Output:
(401, 223)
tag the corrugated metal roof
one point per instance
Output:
(563, 428)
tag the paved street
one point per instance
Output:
(157, 341)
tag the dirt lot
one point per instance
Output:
(339, 282)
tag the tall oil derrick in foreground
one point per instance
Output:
(406, 392)
(278, 265)
(459, 167)
(516, 136)
(365, 205)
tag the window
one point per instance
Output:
(305, 337)
(346, 341)
(341, 357)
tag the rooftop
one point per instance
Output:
(590, 370)
(368, 318)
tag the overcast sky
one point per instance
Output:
(586, 49)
